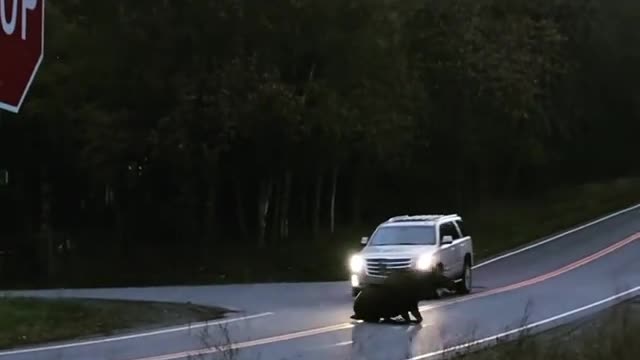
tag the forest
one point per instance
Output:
(184, 137)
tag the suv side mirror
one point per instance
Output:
(446, 240)
(364, 240)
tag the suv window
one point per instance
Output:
(449, 229)
(460, 228)
(404, 235)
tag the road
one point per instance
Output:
(551, 282)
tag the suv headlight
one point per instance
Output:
(356, 263)
(424, 262)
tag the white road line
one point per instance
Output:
(331, 346)
(344, 343)
(136, 335)
(556, 237)
(527, 327)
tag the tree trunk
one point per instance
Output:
(512, 169)
(277, 209)
(210, 218)
(512, 178)
(356, 213)
(118, 211)
(304, 213)
(317, 207)
(459, 172)
(332, 211)
(240, 213)
(284, 219)
(46, 232)
(266, 188)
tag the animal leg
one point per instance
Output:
(416, 313)
(406, 317)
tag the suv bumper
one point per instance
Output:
(362, 280)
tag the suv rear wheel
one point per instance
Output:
(465, 283)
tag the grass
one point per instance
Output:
(503, 226)
(25, 321)
(610, 334)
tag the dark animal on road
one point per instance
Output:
(399, 295)
(375, 303)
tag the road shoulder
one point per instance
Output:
(31, 321)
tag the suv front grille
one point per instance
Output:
(382, 267)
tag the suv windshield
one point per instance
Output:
(404, 235)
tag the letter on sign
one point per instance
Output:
(9, 17)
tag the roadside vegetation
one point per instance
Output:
(608, 334)
(502, 226)
(495, 226)
(611, 334)
(225, 141)
(26, 321)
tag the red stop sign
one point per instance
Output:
(21, 49)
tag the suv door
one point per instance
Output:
(449, 253)
(462, 245)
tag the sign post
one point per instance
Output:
(21, 49)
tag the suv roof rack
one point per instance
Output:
(408, 218)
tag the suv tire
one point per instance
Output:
(465, 284)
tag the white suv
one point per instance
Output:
(419, 243)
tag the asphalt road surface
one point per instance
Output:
(551, 282)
